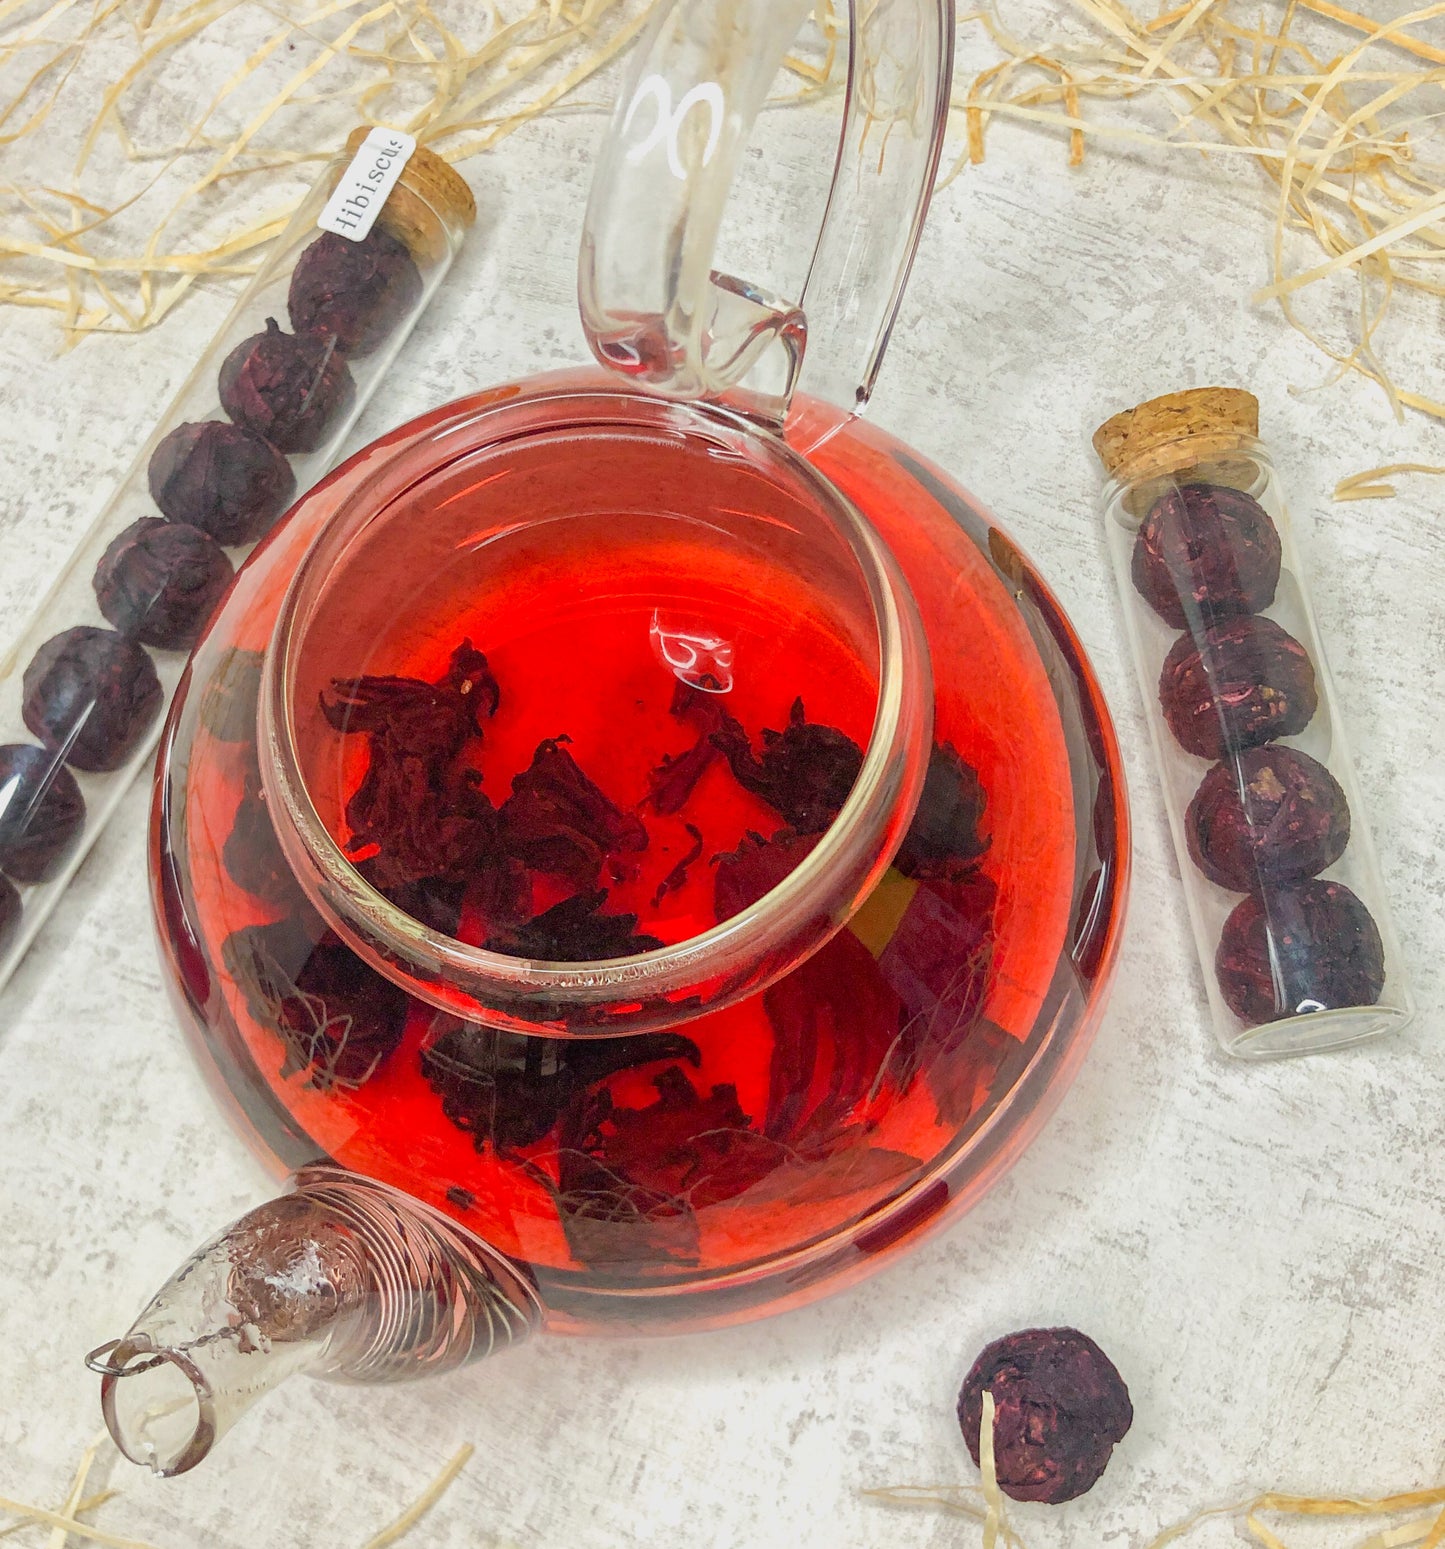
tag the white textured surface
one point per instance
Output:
(1258, 1247)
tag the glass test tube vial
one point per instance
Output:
(262, 417)
(1283, 886)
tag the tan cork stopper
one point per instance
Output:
(427, 189)
(1179, 430)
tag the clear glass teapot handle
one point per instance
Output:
(653, 305)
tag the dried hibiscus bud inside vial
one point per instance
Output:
(41, 813)
(1234, 676)
(355, 293)
(159, 582)
(91, 695)
(286, 387)
(1272, 814)
(224, 479)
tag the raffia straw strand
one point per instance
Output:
(1369, 486)
(76, 1529)
(424, 1502)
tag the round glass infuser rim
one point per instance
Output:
(902, 671)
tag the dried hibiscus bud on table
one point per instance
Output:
(355, 293)
(1270, 815)
(1243, 683)
(805, 773)
(1060, 1407)
(41, 813)
(91, 694)
(556, 820)
(1206, 552)
(159, 582)
(1313, 947)
(285, 387)
(224, 479)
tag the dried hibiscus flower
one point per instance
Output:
(1242, 683)
(575, 931)
(252, 854)
(1206, 552)
(435, 901)
(285, 387)
(756, 867)
(355, 293)
(1271, 815)
(673, 781)
(508, 1090)
(339, 1019)
(557, 821)
(427, 720)
(91, 695)
(224, 479)
(424, 820)
(631, 1179)
(937, 962)
(1060, 1408)
(835, 1019)
(944, 838)
(159, 582)
(1311, 947)
(805, 772)
(42, 813)
(426, 817)
(677, 877)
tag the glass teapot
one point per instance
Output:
(636, 848)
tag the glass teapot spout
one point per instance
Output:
(342, 1278)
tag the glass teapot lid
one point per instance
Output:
(654, 306)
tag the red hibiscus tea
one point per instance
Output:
(542, 722)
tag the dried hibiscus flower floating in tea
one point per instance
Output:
(1060, 1409)
(1202, 544)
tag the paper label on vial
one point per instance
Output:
(352, 210)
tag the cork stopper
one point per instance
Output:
(431, 204)
(1179, 430)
